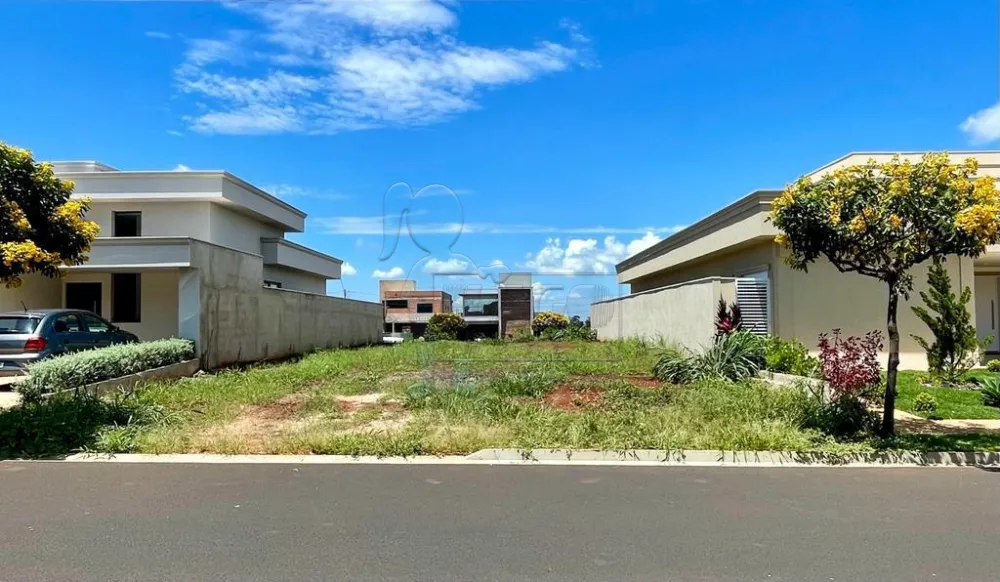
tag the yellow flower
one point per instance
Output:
(834, 209)
(857, 224)
(781, 240)
(895, 222)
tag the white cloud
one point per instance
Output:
(174, 133)
(585, 256)
(373, 225)
(984, 125)
(439, 267)
(347, 270)
(393, 273)
(182, 168)
(292, 191)
(157, 35)
(343, 66)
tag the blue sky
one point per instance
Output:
(571, 133)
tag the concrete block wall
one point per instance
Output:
(241, 321)
(292, 322)
(682, 314)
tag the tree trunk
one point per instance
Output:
(888, 415)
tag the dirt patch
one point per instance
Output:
(257, 423)
(392, 416)
(567, 397)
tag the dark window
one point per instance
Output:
(126, 224)
(94, 324)
(397, 303)
(18, 324)
(480, 306)
(126, 292)
(66, 323)
(272, 284)
(425, 308)
(84, 296)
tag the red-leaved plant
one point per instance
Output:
(850, 365)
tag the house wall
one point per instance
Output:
(168, 218)
(36, 292)
(731, 264)
(232, 229)
(682, 314)
(158, 301)
(806, 304)
(294, 280)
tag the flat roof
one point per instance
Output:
(104, 183)
(702, 228)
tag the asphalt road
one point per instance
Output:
(283, 522)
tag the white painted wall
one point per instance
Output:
(158, 308)
(36, 292)
(682, 315)
(234, 230)
(295, 280)
(158, 218)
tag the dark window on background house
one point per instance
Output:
(397, 303)
(126, 224)
(425, 308)
(126, 294)
(272, 284)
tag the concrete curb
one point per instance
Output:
(594, 458)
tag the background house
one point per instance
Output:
(676, 284)
(201, 255)
(408, 310)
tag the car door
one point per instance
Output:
(70, 334)
(101, 333)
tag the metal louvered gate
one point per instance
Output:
(754, 298)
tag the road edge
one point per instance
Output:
(567, 457)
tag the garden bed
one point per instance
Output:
(952, 403)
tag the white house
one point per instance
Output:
(201, 255)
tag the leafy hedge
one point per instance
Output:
(86, 367)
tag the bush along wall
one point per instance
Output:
(86, 367)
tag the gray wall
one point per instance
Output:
(240, 321)
(682, 314)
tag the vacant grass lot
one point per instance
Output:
(454, 398)
(951, 402)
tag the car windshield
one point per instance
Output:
(18, 324)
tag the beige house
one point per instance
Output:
(676, 284)
(201, 255)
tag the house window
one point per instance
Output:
(126, 293)
(272, 284)
(397, 303)
(126, 224)
(425, 308)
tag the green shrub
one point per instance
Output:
(548, 320)
(993, 366)
(956, 344)
(571, 333)
(675, 367)
(925, 404)
(67, 423)
(735, 356)
(844, 418)
(444, 326)
(990, 389)
(86, 367)
(789, 357)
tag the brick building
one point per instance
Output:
(407, 309)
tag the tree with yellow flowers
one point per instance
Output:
(880, 220)
(40, 227)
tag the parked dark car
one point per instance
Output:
(29, 336)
